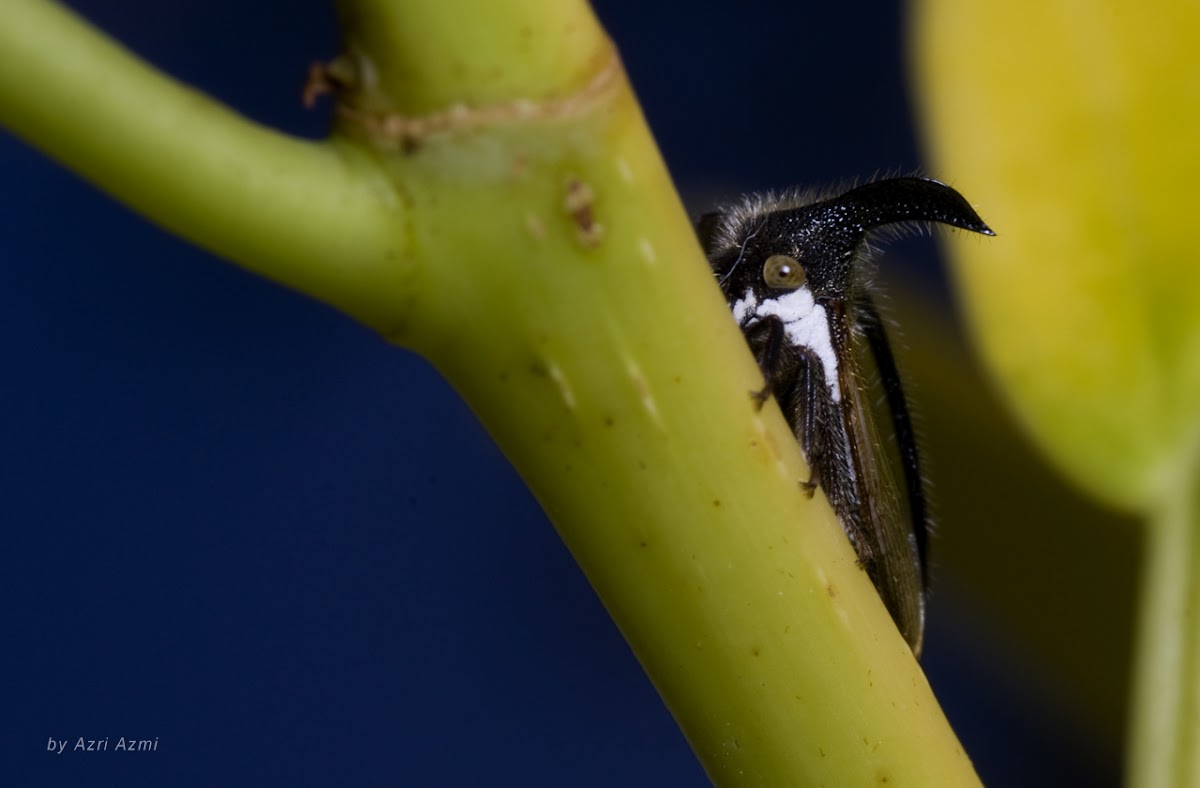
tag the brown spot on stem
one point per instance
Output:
(579, 203)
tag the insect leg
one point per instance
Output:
(807, 410)
(768, 339)
(795, 374)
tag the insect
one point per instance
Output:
(793, 271)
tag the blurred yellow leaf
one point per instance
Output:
(1076, 128)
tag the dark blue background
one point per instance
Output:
(237, 522)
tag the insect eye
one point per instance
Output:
(783, 272)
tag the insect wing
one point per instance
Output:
(884, 491)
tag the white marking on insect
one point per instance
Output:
(805, 323)
(744, 308)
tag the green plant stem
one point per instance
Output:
(543, 262)
(428, 56)
(1165, 736)
(316, 216)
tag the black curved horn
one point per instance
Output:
(908, 199)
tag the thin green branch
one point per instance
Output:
(315, 216)
(1166, 711)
